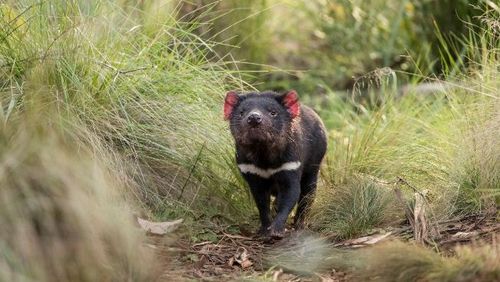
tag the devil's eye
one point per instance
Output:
(273, 113)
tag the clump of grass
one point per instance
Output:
(429, 143)
(63, 213)
(354, 207)
(140, 82)
(478, 178)
(444, 143)
(396, 261)
(401, 138)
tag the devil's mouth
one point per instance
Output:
(256, 135)
(255, 129)
(258, 132)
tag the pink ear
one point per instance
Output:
(291, 102)
(229, 102)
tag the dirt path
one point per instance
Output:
(303, 256)
(235, 256)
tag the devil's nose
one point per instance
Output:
(254, 119)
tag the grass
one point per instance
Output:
(388, 261)
(396, 261)
(134, 104)
(354, 208)
(147, 91)
(443, 143)
(64, 215)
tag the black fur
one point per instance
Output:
(278, 138)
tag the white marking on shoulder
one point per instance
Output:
(266, 173)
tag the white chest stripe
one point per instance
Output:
(266, 173)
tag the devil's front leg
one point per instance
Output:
(288, 196)
(261, 193)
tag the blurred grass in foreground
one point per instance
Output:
(64, 215)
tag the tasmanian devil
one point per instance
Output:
(279, 148)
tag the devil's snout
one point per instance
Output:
(254, 118)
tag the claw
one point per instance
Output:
(276, 233)
(271, 232)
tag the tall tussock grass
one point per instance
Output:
(63, 213)
(355, 207)
(443, 144)
(107, 110)
(144, 87)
